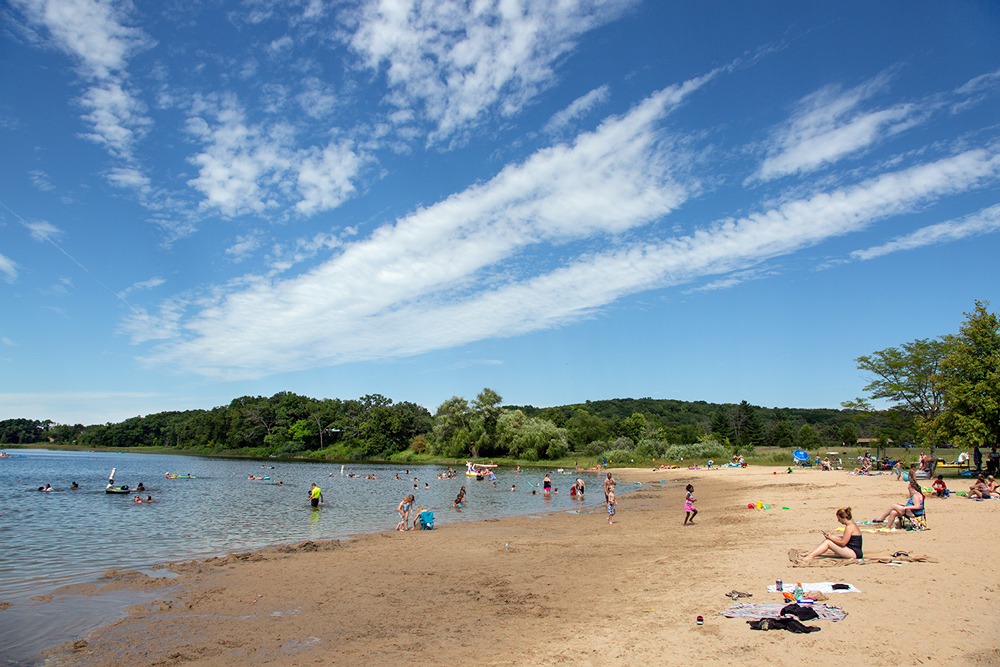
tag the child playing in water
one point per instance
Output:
(611, 503)
(689, 511)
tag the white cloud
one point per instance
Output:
(94, 34)
(116, 116)
(980, 83)
(418, 285)
(8, 267)
(42, 230)
(283, 258)
(7, 341)
(455, 61)
(143, 285)
(248, 168)
(578, 108)
(244, 247)
(280, 45)
(91, 31)
(317, 99)
(325, 178)
(829, 125)
(40, 180)
(129, 177)
(976, 224)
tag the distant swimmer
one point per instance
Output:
(74, 485)
(45, 488)
(140, 487)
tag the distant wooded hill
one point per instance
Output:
(374, 426)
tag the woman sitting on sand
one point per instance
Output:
(846, 546)
(981, 489)
(914, 505)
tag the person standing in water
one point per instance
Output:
(315, 495)
(609, 486)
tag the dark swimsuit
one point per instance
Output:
(854, 544)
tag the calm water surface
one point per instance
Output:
(71, 536)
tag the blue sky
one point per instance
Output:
(562, 201)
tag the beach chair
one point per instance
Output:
(426, 520)
(918, 521)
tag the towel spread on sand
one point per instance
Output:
(881, 556)
(822, 587)
(766, 610)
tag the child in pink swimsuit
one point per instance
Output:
(689, 510)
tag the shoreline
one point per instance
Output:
(570, 587)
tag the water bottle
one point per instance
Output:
(798, 592)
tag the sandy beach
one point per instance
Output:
(568, 588)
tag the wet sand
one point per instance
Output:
(569, 588)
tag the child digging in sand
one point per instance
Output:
(689, 511)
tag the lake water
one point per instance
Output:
(72, 536)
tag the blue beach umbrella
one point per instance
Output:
(800, 455)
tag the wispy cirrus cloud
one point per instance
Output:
(456, 61)
(829, 125)
(579, 107)
(95, 34)
(142, 285)
(460, 270)
(42, 230)
(611, 180)
(40, 180)
(976, 224)
(8, 268)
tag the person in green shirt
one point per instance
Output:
(315, 495)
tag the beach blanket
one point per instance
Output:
(881, 556)
(824, 612)
(909, 523)
(822, 587)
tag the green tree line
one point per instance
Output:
(376, 427)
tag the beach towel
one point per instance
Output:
(822, 587)
(882, 556)
(909, 523)
(790, 624)
(824, 612)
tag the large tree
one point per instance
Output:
(970, 381)
(908, 377)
